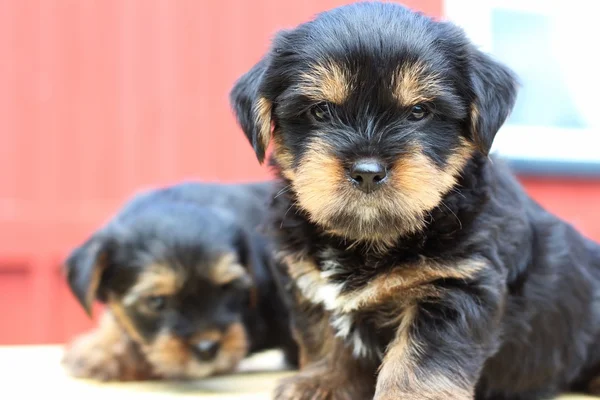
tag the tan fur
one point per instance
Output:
(172, 357)
(212, 334)
(227, 269)
(317, 182)
(263, 112)
(155, 280)
(475, 116)
(399, 374)
(328, 370)
(99, 267)
(107, 354)
(120, 315)
(283, 157)
(421, 185)
(416, 185)
(234, 347)
(405, 282)
(413, 84)
(327, 81)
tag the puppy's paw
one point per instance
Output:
(396, 394)
(87, 358)
(104, 357)
(315, 387)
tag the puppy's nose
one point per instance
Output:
(206, 350)
(368, 174)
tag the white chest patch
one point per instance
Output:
(316, 286)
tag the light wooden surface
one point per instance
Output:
(35, 371)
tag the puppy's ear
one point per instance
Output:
(495, 90)
(253, 111)
(85, 267)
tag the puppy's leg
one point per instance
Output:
(440, 348)
(107, 354)
(328, 369)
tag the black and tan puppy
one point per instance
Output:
(419, 267)
(186, 277)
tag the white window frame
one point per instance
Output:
(534, 149)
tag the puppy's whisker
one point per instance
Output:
(284, 190)
(453, 213)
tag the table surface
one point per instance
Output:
(36, 370)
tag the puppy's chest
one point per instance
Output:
(364, 306)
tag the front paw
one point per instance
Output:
(422, 394)
(106, 358)
(317, 387)
(87, 360)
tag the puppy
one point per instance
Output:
(419, 267)
(186, 277)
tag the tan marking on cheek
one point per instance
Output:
(123, 319)
(408, 283)
(327, 81)
(212, 335)
(263, 112)
(155, 280)
(169, 355)
(422, 182)
(413, 84)
(226, 270)
(318, 177)
(234, 347)
(284, 158)
(415, 186)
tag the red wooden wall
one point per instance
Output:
(100, 98)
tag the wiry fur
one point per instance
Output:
(448, 281)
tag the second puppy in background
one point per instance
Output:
(187, 281)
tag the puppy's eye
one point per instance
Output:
(156, 303)
(418, 112)
(320, 112)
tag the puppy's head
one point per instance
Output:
(373, 111)
(176, 278)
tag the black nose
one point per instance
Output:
(368, 174)
(206, 350)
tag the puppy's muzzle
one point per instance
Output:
(368, 174)
(206, 350)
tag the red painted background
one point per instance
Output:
(100, 98)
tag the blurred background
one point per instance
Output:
(102, 98)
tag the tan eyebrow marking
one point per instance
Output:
(327, 81)
(413, 83)
(226, 270)
(155, 280)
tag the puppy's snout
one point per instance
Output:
(206, 350)
(368, 174)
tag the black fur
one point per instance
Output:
(525, 327)
(187, 226)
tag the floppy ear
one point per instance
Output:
(85, 268)
(253, 111)
(495, 90)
